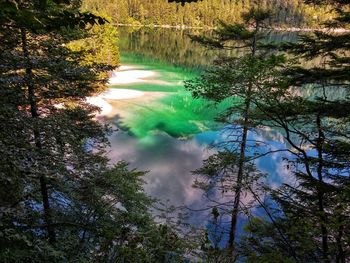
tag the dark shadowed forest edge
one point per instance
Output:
(64, 199)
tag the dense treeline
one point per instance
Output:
(287, 13)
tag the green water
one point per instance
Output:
(176, 113)
(175, 58)
(166, 131)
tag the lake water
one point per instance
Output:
(161, 128)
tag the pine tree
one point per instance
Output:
(311, 111)
(60, 200)
(240, 78)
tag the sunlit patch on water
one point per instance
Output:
(112, 94)
(129, 74)
(120, 94)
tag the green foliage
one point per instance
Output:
(219, 173)
(311, 220)
(47, 15)
(244, 78)
(257, 15)
(231, 76)
(208, 13)
(99, 46)
(309, 224)
(60, 200)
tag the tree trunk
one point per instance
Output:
(238, 189)
(242, 155)
(320, 191)
(38, 144)
(340, 254)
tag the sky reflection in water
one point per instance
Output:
(168, 134)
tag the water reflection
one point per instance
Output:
(174, 47)
(169, 162)
(164, 131)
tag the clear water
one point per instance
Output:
(166, 131)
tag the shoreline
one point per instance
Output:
(124, 78)
(287, 29)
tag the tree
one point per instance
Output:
(60, 199)
(316, 128)
(240, 78)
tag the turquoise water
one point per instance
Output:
(166, 131)
(175, 113)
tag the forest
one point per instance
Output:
(208, 13)
(98, 121)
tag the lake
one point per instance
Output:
(161, 129)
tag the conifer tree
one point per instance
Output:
(311, 110)
(60, 200)
(240, 78)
